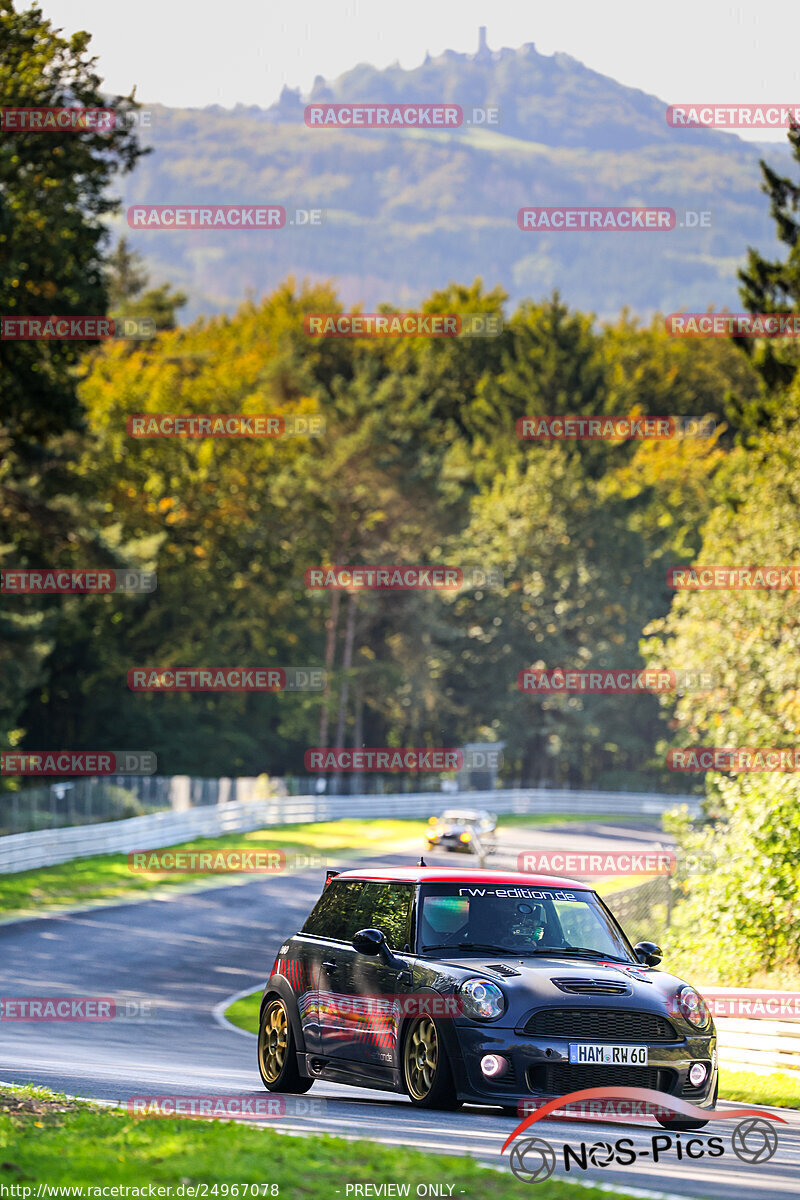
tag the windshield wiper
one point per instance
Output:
(578, 950)
(484, 947)
(480, 946)
(460, 946)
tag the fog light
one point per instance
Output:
(697, 1074)
(494, 1065)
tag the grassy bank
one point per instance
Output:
(45, 1138)
(108, 876)
(780, 1089)
(652, 820)
(244, 1012)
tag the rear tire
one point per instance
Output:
(427, 1075)
(277, 1053)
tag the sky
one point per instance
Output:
(194, 52)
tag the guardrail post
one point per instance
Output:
(179, 793)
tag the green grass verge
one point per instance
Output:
(45, 1138)
(244, 1012)
(108, 876)
(576, 819)
(780, 1089)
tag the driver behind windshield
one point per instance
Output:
(451, 921)
(515, 926)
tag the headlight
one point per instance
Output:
(482, 999)
(692, 1007)
(466, 837)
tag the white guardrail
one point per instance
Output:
(44, 847)
(757, 1044)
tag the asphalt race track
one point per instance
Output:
(186, 954)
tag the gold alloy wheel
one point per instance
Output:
(273, 1040)
(421, 1057)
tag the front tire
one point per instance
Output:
(277, 1056)
(427, 1074)
(687, 1126)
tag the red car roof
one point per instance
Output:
(439, 875)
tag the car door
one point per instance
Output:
(319, 948)
(365, 994)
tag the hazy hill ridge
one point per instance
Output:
(406, 211)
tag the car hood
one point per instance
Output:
(568, 982)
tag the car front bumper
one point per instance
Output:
(539, 1068)
(449, 842)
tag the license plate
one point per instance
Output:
(598, 1052)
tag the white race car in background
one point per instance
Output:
(469, 830)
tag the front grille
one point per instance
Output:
(594, 987)
(601, 1025)
(556, 1079)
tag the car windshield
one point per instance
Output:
(518, 920)
(466, 818)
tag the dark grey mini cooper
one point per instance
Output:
(479, 986)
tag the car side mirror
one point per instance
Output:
(648, 953)
(369, 941)
(373, 943)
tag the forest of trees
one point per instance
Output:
(420, 464)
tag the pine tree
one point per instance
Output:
(771, 286)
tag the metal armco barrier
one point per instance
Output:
(43, 848)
